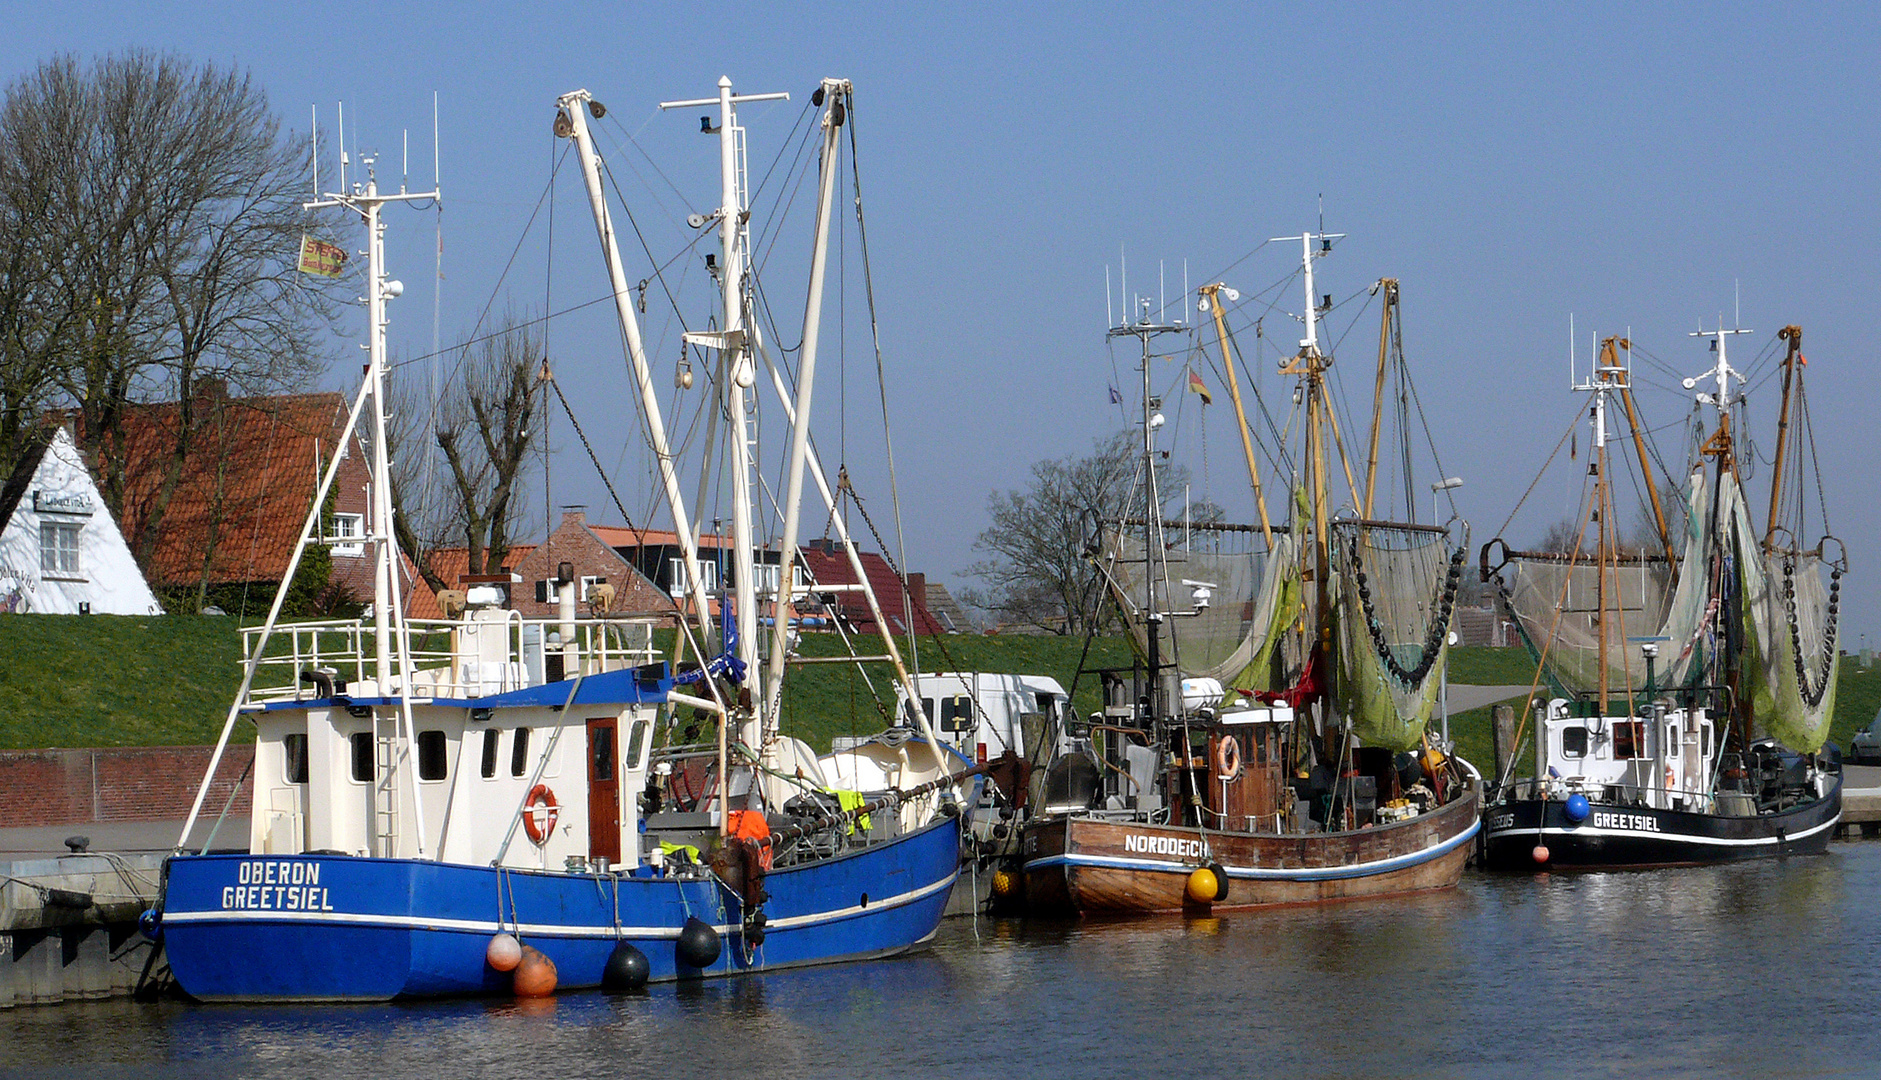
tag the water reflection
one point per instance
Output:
(1759, 970)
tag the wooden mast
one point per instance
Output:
(1213, 295)
(1390, 288)
(1794, 336)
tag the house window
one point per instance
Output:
(676, 573)
(58, 548)
(548, 591)
(431, 765)
(348, 534)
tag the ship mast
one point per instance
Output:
(1722, 447)
(1144, 330)
(1310, 365)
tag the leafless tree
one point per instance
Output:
(1037, 574)
(482, 430)
(151, 207)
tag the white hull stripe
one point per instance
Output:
(1668, 837)
(1257, 873)
(483, 926)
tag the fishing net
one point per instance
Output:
(1395, 589)
(1791, 658)
(1254, 594)
(1567, 612)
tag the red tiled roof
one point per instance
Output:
(450, 564)
(832, 568)
(242, 492)
(616, 536)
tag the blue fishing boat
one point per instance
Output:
(489, 803)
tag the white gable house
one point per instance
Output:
(60, 551)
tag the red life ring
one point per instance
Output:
(540, 814)
(1228, 758)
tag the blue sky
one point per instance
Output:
(1639, 167)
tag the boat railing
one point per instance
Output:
(1524, 788)
(464, 658)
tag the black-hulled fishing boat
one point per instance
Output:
(1692, 683)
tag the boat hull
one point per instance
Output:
(334, 928)
(1614, 836)
(1087, 865)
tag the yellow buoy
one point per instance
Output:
(535, 976)
(1203, 885)
(1005, 883)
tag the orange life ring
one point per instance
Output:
(1228, 758)
(540, 814)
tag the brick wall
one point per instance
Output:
(157, 783)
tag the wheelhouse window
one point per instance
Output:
(1574, 742)
(294, 751)
(431, 756)
(519, 753)
(58, 548)
(362, 757)
(602, 768)
(490, 737)
(635, 736)
(1629, 739)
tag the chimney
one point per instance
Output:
(574, 514)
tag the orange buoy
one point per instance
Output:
(535, 976)
(1541, 854)
(504, 953)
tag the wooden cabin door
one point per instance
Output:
(603, 790)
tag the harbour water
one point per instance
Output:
(1758, 970)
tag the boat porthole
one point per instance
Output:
(865, 899)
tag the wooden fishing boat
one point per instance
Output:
(1272, 746)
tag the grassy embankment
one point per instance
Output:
(101, 680)
(69, 680)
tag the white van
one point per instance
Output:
(983, 715)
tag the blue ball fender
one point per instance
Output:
(1577, 808)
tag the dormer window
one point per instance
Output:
(347, 535)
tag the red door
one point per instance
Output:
(603, 791)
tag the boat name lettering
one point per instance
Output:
(278, 872)
(1184, 847)
(1610, 820)
(275, 898)
(1501, 821)
(276, 885)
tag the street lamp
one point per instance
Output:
(1446, 484)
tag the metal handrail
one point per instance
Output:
(344, 648)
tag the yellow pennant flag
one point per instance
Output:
(321, 258)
